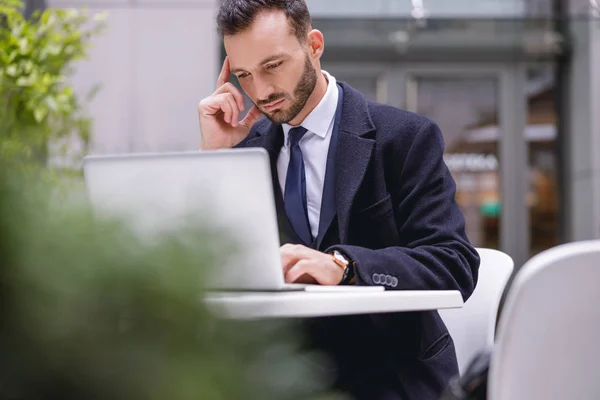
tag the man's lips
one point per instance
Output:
(272, 106)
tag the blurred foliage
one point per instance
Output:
(38, 107)
(91, 311)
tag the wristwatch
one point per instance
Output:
(347, 265)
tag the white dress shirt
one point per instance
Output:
(315, 146)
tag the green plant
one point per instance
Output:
(38, 106)
(90, 311)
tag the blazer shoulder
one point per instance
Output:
(399, 126)
(259, 127)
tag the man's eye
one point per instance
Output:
(243, 75)
(273, 66)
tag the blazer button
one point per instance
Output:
(388, 280)
(394, 281)
(376, 279)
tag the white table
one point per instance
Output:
(317, 304)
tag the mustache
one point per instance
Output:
(271, 99)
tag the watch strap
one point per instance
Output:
(349, 275)
(347, 264)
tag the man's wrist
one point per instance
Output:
(347, 266)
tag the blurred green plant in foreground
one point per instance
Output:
(89, 311)
(38, 106)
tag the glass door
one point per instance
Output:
(466, 109)
(481, 113)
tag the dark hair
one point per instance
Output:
(237, 15)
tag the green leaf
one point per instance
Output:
(47, 79)
(68, 50)
(24, 45)
(12, 70)
(13, 56)
(93, 92)
(24, 81)
(52, 103)
(17, 29)
(40, 113)
(27, 66)
(72, 12)
(101, 17)
(68, 91)
(47, 18)
(53, 48)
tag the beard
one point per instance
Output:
(302, 92)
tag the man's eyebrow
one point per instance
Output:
(266, 60)
(272, 58)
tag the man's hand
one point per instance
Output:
(220, 112)
(304, 265)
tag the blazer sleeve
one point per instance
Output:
(434, 253)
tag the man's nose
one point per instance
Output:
(264, 90)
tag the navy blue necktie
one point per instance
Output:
(295, 188)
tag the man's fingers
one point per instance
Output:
(235, 112)
(224, 103)
(227, 108)
(301, 268)
(228, 87)
(291, 254)
(225, 72)
(253, 115)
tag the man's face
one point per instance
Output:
(272, 66)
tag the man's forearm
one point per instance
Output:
(448, 266)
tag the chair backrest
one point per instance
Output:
(472, 327)
(547, 344)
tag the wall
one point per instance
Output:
(595, 107)
(155, 62)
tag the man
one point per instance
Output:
(363, 196)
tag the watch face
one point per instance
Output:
(340, 257)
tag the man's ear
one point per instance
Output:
(316, 43)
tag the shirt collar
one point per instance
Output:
(321, 117)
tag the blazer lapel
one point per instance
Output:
(353, 154)
(268, 136)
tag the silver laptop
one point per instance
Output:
(229, 189)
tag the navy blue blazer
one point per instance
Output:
(397, 218)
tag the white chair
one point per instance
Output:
(547, 345)
(472, 327)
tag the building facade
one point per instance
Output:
(513, 84)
